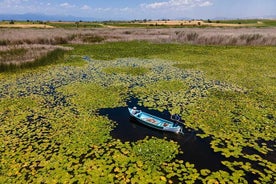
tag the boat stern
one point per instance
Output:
(176, 129)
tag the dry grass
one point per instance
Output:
(192, 23)
(17, 25)
(18, 54)
(217, 36)
(26, 45)
(245, 38)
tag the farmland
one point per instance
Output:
(220, 80)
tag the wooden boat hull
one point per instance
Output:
(155, 122)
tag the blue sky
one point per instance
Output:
(144, 9)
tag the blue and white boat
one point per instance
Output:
(154, 122)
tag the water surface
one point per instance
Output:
(195, 149)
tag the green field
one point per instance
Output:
(261, 22)
(78, 24)
(51, 131)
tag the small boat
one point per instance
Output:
(154, 122)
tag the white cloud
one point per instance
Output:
(175, 4)
(67, 5)
(14, 6)
(85, 7)
(103, 9)
(126, 9)
(12, 2)
(156, 5)
(206, 3)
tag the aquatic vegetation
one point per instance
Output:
(153, 155)
(51, 130)
(91, 96)
(130, 70)
(235, 126)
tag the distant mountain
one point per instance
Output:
(43, 17)
(269, 17)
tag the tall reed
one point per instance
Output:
(50, 58)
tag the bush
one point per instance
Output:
(93, 39)
(4, 42)
(60, 40)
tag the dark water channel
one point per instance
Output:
(195, 149)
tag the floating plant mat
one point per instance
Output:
(51, 129)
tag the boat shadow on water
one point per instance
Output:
(195, 149)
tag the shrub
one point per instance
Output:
(127, 32)
(42, 41)
(4, 42)
(60, 40)
(93, 39)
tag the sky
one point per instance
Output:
(144, 9)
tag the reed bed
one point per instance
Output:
(17, 54)
(201, 36)
(40, 58)
(234, 39)
(21, 46)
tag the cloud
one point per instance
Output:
(206, 3)
(156, 5)
(13, 2)
(126, 9)
(67, 5)
(14, 6)
(103, 9)
(175, 4)
(85, 7)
